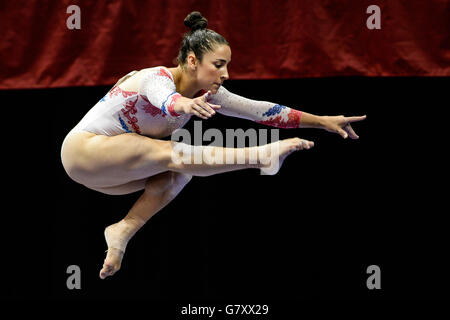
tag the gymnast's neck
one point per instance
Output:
(185, 81)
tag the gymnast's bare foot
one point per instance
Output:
(117, 236)
(275, 153)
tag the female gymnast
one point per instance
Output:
(117, 147)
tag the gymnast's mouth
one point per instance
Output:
(217, 84)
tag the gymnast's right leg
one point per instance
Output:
(100, 161)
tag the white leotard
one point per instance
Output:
(150, 110)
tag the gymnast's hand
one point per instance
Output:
(341, 125)
(197, 106)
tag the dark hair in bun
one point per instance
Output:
(195, 21)
(200, 39)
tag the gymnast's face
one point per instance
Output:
(212, 71)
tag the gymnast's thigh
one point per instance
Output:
(127, 188)
(101, 161)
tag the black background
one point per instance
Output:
(307, 233)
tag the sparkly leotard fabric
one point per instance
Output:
(263, 112)
(150, 112)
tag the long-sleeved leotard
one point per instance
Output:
(150, 112)
(264, 112)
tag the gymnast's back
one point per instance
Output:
(140, 102)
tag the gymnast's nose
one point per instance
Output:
(224, 76)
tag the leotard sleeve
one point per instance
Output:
(160, 90)
(263, 112)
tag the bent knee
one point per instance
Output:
(161, 154)
(181, 178)
(166, 182)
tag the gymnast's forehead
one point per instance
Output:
(220, 52)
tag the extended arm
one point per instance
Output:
(280, 116)
(263, 112)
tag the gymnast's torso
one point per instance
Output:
(142, 104)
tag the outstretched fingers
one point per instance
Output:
(352, 134)
(203, 109)
(354, 119)
(346, 130)
(200, 112)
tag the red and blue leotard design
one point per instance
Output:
(263, 112)
(150, 110)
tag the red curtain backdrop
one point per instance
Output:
(269, 39)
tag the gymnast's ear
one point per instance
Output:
(192, 61)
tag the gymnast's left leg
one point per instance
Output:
(159, 190)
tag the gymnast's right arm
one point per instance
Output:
(196, 106)
(161, 92)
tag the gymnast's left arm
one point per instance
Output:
(280, 116)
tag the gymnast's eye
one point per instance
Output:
(218, 66)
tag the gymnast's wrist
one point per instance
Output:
(321, 122)
(180, 104)
(309, 120)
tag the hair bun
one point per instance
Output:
(195, 21)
